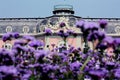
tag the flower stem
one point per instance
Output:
(83, 66)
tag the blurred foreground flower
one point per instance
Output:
(103, 23)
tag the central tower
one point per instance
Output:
(63, 10)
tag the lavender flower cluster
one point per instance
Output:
(25, 61)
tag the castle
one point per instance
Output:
(61, 13)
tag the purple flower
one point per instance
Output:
(39, 55)
(16, 35)
(117, 41)
(36, 43)
(96, 35)
(64, 51)
(71, 49)
(70, 32)
(75, 66)
(117, 73)
(19, 42)
(97, 74)
(92, 36)
(7, 36)
(109, 40)
(48, 31)
(62, 24)
(93, 26)
(26, 76)
(63, 69)
(8, 73)
(17, 49)
(80, 24)
(103, 23)
(47, 68)
(29, 38)
(56, 67)
(25, 49)
(110, 65)
(8, 70)
(6, 57)
(102, 46)
(61, 33)
(32, 50)
(87, 26)
(66, 35)
(101, 35)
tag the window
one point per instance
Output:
(8, 29)
(62, 46)
(7, 46)
(40, 48)
(42, 28)
(25, 29)
(117, 29)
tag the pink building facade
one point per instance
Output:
(36, 26)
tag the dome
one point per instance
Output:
(63, 10)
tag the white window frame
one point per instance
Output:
(9, 29)
(7, 46)
(25, 29)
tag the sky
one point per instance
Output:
(44, 8)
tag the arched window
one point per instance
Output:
(42, 28)
(8, 29)
(117, 29)
(25, 29)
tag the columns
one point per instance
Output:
(46, 41)
(78, 42)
